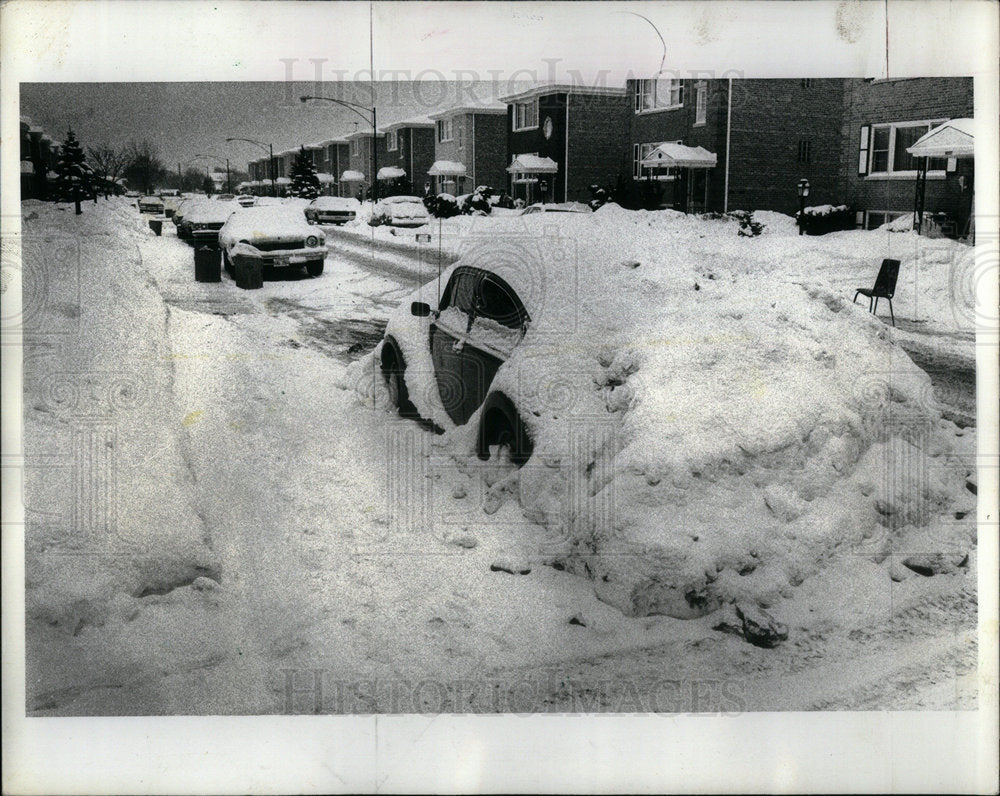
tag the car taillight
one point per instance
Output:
(312, 240)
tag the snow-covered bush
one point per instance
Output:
(443, 205)
(749, 227)
(479, 201)
(822, 219)
(598, 196)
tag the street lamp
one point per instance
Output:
(269, 148)
(368, 114)
(803, 190)
(229, 182)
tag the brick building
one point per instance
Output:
(470, 148)
(39, 154)
(570, 137)
(406, 153)
(765, 135)
(357, 175)
(881, 118)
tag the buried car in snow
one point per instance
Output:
(204, 220)
(151, 204)
(685, 435)
(401, 211)
(276, 235)
(332, 210)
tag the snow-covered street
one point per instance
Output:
(225, 517)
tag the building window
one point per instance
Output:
(658, 95)
(807, 82)
(391, 140)
(805, 151)
(355, 146)
(444, 130)
(876, 218)
(888, 155)
(526, 115)
(700, 103)
(459, 136)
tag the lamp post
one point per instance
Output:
(269, 148)
(803, 190)
(369, 115)
(229, 182)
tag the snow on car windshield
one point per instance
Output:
(211, 212)
(271, 219)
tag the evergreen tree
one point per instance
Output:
(305, 183)
(74, 178)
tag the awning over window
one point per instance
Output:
(352, 176)
(283, 181)
(390, 173)
(532, 164)
(953, 139)
(324, 178)
(447, 168)
(669, 154)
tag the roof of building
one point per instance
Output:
(413, 121)
(485, 108)
(563, 88)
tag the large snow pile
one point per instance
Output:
(703, 431)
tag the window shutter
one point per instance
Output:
(635, 161)
(863, 151)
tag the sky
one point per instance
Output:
(187, 119)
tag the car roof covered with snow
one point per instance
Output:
(259, 222)
(210, 212)
(335, 203)
(394, 200)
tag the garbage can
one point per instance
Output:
(207, 267)
(249, 272)
(156, 224)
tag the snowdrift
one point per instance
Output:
(702, 432)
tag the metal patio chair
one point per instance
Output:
(885, 287)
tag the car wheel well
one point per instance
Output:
(500, 423)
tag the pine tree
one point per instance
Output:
(74, 178)
(305, 183)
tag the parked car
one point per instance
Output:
(558, 207)
(151, 204)
(332, 210)
(480, 320)
(246, 200)
(181, 214)
(278, 236)
(132, 194)
(224, 197)
(204, 220)
(401, 211)
(170, 205)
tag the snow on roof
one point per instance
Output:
(332, 141)
(671, 154)
(953, 139)
(415, 121)
(390, 173)
(447, 168)
(362, 134)
(532, 164)
(563, 88)
(486, 108)
(352, 176)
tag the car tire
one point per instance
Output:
(393, 371)
(314, 267)
(501, 425)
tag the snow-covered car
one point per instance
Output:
(332, 210)
(132, 194)
(203, 222)
(557, 207)
(151, 204)
(170, 205)
(277, 236)
(401, 211)
(181, 213)
(224, 197)
(688, 434)
(246, 200)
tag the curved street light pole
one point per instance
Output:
(229, 182)
(369, 115)
(269, 148)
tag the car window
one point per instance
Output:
(461, 290)
(498, 302)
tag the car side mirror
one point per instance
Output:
(420, 308)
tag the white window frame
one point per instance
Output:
(391, 140)
(445, 131)
(890, 172)
(356, 147)
(658, 94)
(647, 174)
(700, 102)
(529, 120)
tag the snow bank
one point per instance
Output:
(705, 430)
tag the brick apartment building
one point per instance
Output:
(563, 138)
(765, 135)
(881, 119)
(470, 148)
(39, 154)
(358, 174)
(406, 153)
